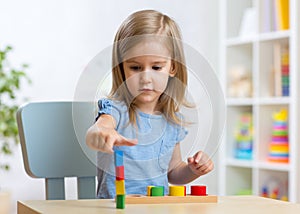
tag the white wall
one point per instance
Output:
(58, 38)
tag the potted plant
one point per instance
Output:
(10, 82)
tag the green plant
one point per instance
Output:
(10, 82)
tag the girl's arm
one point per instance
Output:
(102, 136)
(182, 173)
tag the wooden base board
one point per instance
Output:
(138, 199)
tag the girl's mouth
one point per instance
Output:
(146, 89)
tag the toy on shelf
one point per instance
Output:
(281, 70)
(274, 188)
(279, 145)
(240, 84)
(244, 137)
(285, 72)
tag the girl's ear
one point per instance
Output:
(172, 70)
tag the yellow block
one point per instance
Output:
(120, 187)
(149, 190)
(176, 190)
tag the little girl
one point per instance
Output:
(141, 116)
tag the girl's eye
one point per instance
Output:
(156, 68)
(135, 68)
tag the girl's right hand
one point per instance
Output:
(103, 138)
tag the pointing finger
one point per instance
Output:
(122, 141)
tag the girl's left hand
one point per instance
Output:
(200, 163)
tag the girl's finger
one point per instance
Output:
(108, 145)
(206, 167)
(190, 160)
(197, 157)
(122, 141)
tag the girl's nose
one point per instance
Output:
(145, 76)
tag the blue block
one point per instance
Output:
(118, 155)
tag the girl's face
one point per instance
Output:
(147, 68)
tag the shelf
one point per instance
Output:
(258, 101)
(274, 101)
(259, 69)
(240, 41)
(262, 37)
(239, 101)
(239, 163)
(238, 179)
(274, 35)
(274, 166)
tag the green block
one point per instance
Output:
(158, 191)
(120, 201)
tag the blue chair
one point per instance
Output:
(52, 136)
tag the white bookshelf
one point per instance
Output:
(255, 52)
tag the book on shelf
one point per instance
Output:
(268, 23)
(282, 14)
(275, 15)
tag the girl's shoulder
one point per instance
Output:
(115, 108)
(110, 104)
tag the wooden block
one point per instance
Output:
(149, 190)
(177, 191)
(120, 187)
(140, 199)
(120, 173)
(198, 190)
(120, 201)
(158, 191)
(118, 156)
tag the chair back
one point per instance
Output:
(52, 136)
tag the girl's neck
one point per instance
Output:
(149, 109)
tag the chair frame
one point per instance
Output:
(53, 148)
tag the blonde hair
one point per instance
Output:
(144, 23)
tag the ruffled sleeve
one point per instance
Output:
(107, 106)
(181, 130)
(104, 107)
(181, 133)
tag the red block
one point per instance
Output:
(198, 190)
(120, 173)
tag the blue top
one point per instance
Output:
(146, 164)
